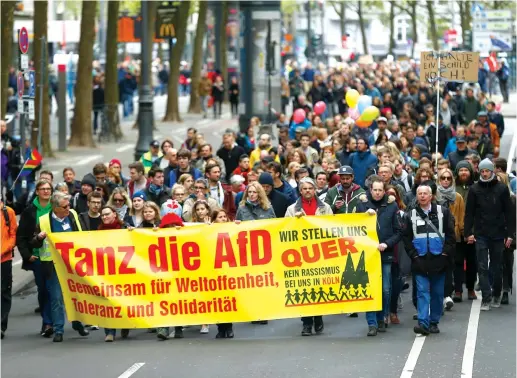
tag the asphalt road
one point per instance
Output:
(471, 344)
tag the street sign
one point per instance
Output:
(23, 40)
(20, 84)
(24, 62)
(32, 83)
(493, 25)
(485, 41)
(455, 66)
(32, 113)
(165, 19)
(503, 14)
(20, 106)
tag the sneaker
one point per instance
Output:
(472, 295)
(94, 328)
(221, 335)
(496, 301)
(81, 330)
(372, 331)
(505, 298)
(47, 332)
(405, 287)
(381, 326)
(457, 298)
(353, 315)
(204, 329)
(162, 334)
(229, 333)
(433, 328)
(124, 333)
(318, 328)
(394, 319)
(58, 338)
(448, 303)
(178, 332)
(37, 310)
(421, 330)
(306, 330)
(485, 306)
(415, 317)
(109, 338)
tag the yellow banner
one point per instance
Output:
(206, 274)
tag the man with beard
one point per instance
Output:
(205, 152)
(344, 197)
(464, 178)
(490, 225)
(361, 160)
(264, 144)
(275, 169)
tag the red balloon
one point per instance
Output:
(363, 124)
(299, 116)
(319, 107)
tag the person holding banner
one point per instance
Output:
(60, 219)
(430, 240)
(309, 204)
(390, 233)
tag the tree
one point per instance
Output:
(82, 121)
(392, 27)
(7, 20)
(340, 8)
(410, 8)
(197, 58)
(432, 24)
(360, 7)
(40, 32)
(180, 20)
(362, 26)
(465, 18)
(223, 42)
(111, 94)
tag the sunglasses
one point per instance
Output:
(446, 178)
(118, 200)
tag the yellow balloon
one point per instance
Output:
(371, 113)
(352, 96)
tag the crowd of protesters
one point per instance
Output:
(440, 191)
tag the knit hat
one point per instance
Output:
(486, 164)
(171, 206)
(265, 178)
(89, 179)
(171, 219)
(141, 194)
(115, 161)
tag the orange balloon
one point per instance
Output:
(363, 124)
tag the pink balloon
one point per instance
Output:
(299, 116)
(319, 107)
(498, 107)
(353, 113)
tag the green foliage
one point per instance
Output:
(288, 6)
(132, 7)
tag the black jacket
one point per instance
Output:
(457, 156)
(430, 264)
(280, 202)
(25, 233)
(444, 134)
(230, 158)
(74, 187)
(488, 212)
(159, 199)
(388, 225)
(80, 202)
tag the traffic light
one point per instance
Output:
(316, 42)
(467, 43)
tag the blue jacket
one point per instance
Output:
(450, 147)
(389, 229)
(173, 176)
(292, 129)
(360, 162)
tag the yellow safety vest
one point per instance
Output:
(44, 224)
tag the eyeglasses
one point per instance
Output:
(446, 178)
(67, 206)
(179, 194)
(199, 187)
(45, 189)
(118, 200)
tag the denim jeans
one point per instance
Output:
(110, 331)
(70, 89)
(204, 103)
(429, 297)
(7, 286)
(495, 248)
(127, 101)
(311, 320)
(43, 293)
(373, 317)
(57, 306)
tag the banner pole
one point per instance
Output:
(437, 108)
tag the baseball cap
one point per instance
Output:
(461, 139)
(482, 113)
(345, 170)
(155, 143)
(382, 119)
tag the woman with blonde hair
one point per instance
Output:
(120, 201)
(255, 204)
(187, 181)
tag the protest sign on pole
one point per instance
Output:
(456, 66)
(269, 269)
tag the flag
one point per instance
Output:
(31, 163)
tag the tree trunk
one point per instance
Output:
(414, 24)
(223, 42)
(465, 18)
(392, 27)
(432, 24)
(7, 20)
(342, 19)
(172, 113)
(197, 58)
(111, 94)
(362, 26)
(82, 121)
(40, 31)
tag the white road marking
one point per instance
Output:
(125, 147)
(132, 370)
(511, 153)
(158, 136)
(17, 262)
(412, 359)
(470, 343)
(203, 122)
(177, 139)
(216, 134)
(55, 172)
(89, 160)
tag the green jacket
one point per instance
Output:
(350, 201)
(147, 160)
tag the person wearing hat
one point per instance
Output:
(382, 128)
(485, 146)
(309, 204)
(344, 197)
(80, 200)
(490, 129)
(151, 156)
(116, 167)
(279, 201)
(461, 152)
(490, 224)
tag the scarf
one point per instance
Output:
(122, 211)
(112, 226)
(448, 194)
(252, 203)
(488, 180)
(40, 210)
(155, 189)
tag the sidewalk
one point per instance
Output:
(508, 110)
